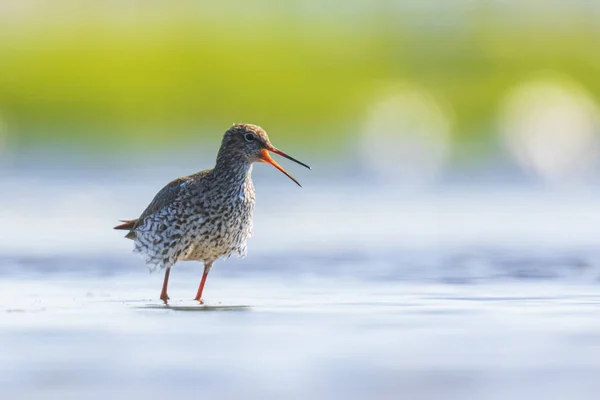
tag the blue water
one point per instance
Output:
(354, 290)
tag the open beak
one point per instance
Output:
(266, 157)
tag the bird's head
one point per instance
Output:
(251, 141)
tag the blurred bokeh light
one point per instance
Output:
(406, 136)
(552, 127)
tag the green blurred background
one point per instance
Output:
(145, 75)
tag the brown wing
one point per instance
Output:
(162, 199)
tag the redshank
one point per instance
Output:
(206, 215)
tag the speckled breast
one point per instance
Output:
(224, 229)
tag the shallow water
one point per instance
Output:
(352, 291)
(66, 337)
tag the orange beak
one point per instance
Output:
(266, 157)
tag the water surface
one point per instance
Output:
(349, 291)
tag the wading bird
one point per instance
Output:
(206, 215)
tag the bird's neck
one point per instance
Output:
(232, 169)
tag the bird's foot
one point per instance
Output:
(165, 298)
(199, 301)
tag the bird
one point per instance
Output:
(207, 215)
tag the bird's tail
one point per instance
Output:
(127, 225)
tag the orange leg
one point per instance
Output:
(198, 297)
(163, 295)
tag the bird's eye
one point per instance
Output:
(249, 137)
